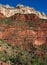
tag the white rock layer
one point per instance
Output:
(8, 11)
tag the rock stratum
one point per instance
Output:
(9, 11)
(22, 25)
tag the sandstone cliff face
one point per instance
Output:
(24, 17)
(24, 28)
(2, 16)
(9, 11)
(19, 33)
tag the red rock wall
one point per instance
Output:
(21, 34)
(24, 17)
(1, 15)
(16, 36)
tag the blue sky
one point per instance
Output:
(40, 5)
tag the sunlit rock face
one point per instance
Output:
(9, 11)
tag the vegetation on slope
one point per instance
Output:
(14, 55)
